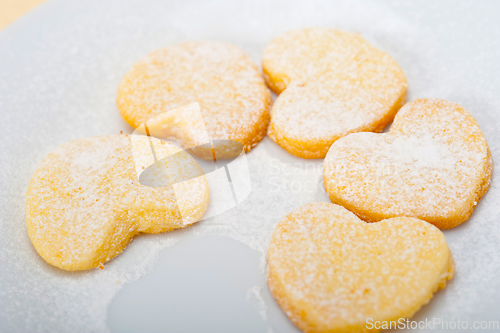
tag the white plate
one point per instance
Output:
(59, 69)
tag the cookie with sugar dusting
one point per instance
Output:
(434, 164)
(232, 94)
(331, 83)
(85, 203)
(331, 272)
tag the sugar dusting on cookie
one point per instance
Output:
(84, 202)
(330, 270)
(221, 77)
(336, 83)
(433, 164)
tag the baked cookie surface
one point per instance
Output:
(331, 83)
(330, 272)
(84, 202)
(232, 94)
(434, 164)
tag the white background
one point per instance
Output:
(60, 66)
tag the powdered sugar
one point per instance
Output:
(323, 110)
(336, 84)
(85, 202)
(433, 164)
(233, 97)
(324, 261)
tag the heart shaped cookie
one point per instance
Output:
(434, 164)
(331, 83)
(331, 272)
(85, 203)
(232, 94)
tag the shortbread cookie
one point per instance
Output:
(331, 272)
(232, 94)
(85, 203)
(434, 164)
(336, 83)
